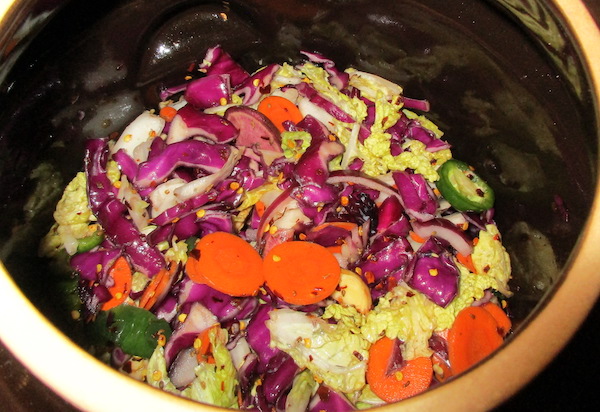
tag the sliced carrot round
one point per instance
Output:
(279, 109)
(502, 319)
(226, 263)
(301, 273)
(158, 287)
(473, 336)
(121, 275)
(411, 379)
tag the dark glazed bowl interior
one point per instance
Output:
(511, 102)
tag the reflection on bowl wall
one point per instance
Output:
(505, 81)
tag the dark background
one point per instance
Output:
(570, 383)
(571, 380)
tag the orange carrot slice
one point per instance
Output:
(260, 208)
(343, 225)
(411, 379)
(473, 336)
(121, 275)
(157, 286)
(466, 261)
(203, 347)
(226, 263)
(168, 113)
(301, 273)
(416, 237)
(502, 319)
(279, 109)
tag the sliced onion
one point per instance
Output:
(163, 196)
(444, 229)
(138, 208)
(144, 127)
(275, 209)
(127, 165)
(240, 352)
(254, 87)
(191, 122)
(203, 184)
(182, 371)
(360, 179)
(308, 108)
(198, 320)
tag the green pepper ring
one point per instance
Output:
(89, 242)
(463, 188)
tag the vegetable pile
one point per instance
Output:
(298, 238)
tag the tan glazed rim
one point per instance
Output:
(92, 386)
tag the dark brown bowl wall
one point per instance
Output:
(503, 79)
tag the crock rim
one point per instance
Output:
(555, 323)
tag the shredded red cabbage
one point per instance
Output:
(220, 165)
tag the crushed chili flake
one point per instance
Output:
(195, 253)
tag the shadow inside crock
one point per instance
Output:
(517, 111)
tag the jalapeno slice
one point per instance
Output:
(89, 242)
(463, 188)
(134, 330)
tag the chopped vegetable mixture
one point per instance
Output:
(298, 238)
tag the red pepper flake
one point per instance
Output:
(369, 276)
(392, 283)
(195, 253)
(127, 367)
(486, 269)
(358, 355)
